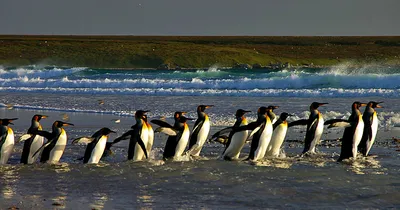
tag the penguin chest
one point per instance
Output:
(59, 147)
(264, 140)
(182, 142)
(278, 136)
(204, 131)
(7, 147)
(237, 142)
(374, 130)
(319, 130)
(150, 141)
(358, 132)
(98, 150)
(144, 136)
(37, 142)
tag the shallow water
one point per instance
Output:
(290, 182)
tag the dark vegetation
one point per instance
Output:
(194, 51)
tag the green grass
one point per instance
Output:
(192, 51)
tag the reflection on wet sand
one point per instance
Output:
(61, 185)
(365, 165)
(99, 200)
(9, 176)
(145, 198)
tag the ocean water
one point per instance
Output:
(291, 181)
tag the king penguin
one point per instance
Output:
(371, 122)
(236, 140)
(150, 135)
(33, 142)
(55, 146)
(6, 140)
(138, 138)
(354, 128)
(278, 135)
(95, 149)
(315, 127)
(178, 134)
(200, 131)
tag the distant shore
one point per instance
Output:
(197, 52)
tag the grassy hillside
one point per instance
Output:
(192, 51)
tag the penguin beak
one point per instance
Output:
(379, 106)
(247, 111)
(209, 106)
(44, 116)
(275, 107)
(190, 119)
(67, 124)
(321, 104)
(10, 121)
(112, 131)
(184, 113)
(363, 104)
(290, 115)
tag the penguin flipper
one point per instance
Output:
(298, 122)
(141, 144)
(161, 123)
(45, 134)
(42, 147)
(124, 136)
(25, 137)
(221, 132)
(168, 131)
(337, 123)
(83, 140)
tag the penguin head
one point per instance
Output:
(262, 110)
(272, 108)
(140, 114)
(315, 105)
(60, 124)
(284, 116)
(374, 104)
(177, 115)
(7, 122)
(202, 108)
(105, 131)
(357, 105)
(38, 117)
(240, 113)
(183, 119)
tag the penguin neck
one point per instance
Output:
(57, 130)
(201, 114)
(261, 118)
(369, 110)
(239, 121)
(139, 121)
(271, 114)
(35, 124)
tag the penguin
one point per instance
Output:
(235, 140)
(261, 132)
(150, 135)
(200, 131)
(6, 140)
(278, 136)
(34, 142)
(178, 138)
(55, 146)
(138, 138)
(271, 113)
(315, 127)
(353, 132)
(371, 122)
(95, 149)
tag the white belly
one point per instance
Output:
(278, 136)
(139, 154)
(150, 140)
(7, 147)
(181, 146)
(265, 139)
(318, 134)
(237, 142)
(201, 138)
(36, 144)
(374, 128)
(357, 136)
(98, 150)
(58, 150)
